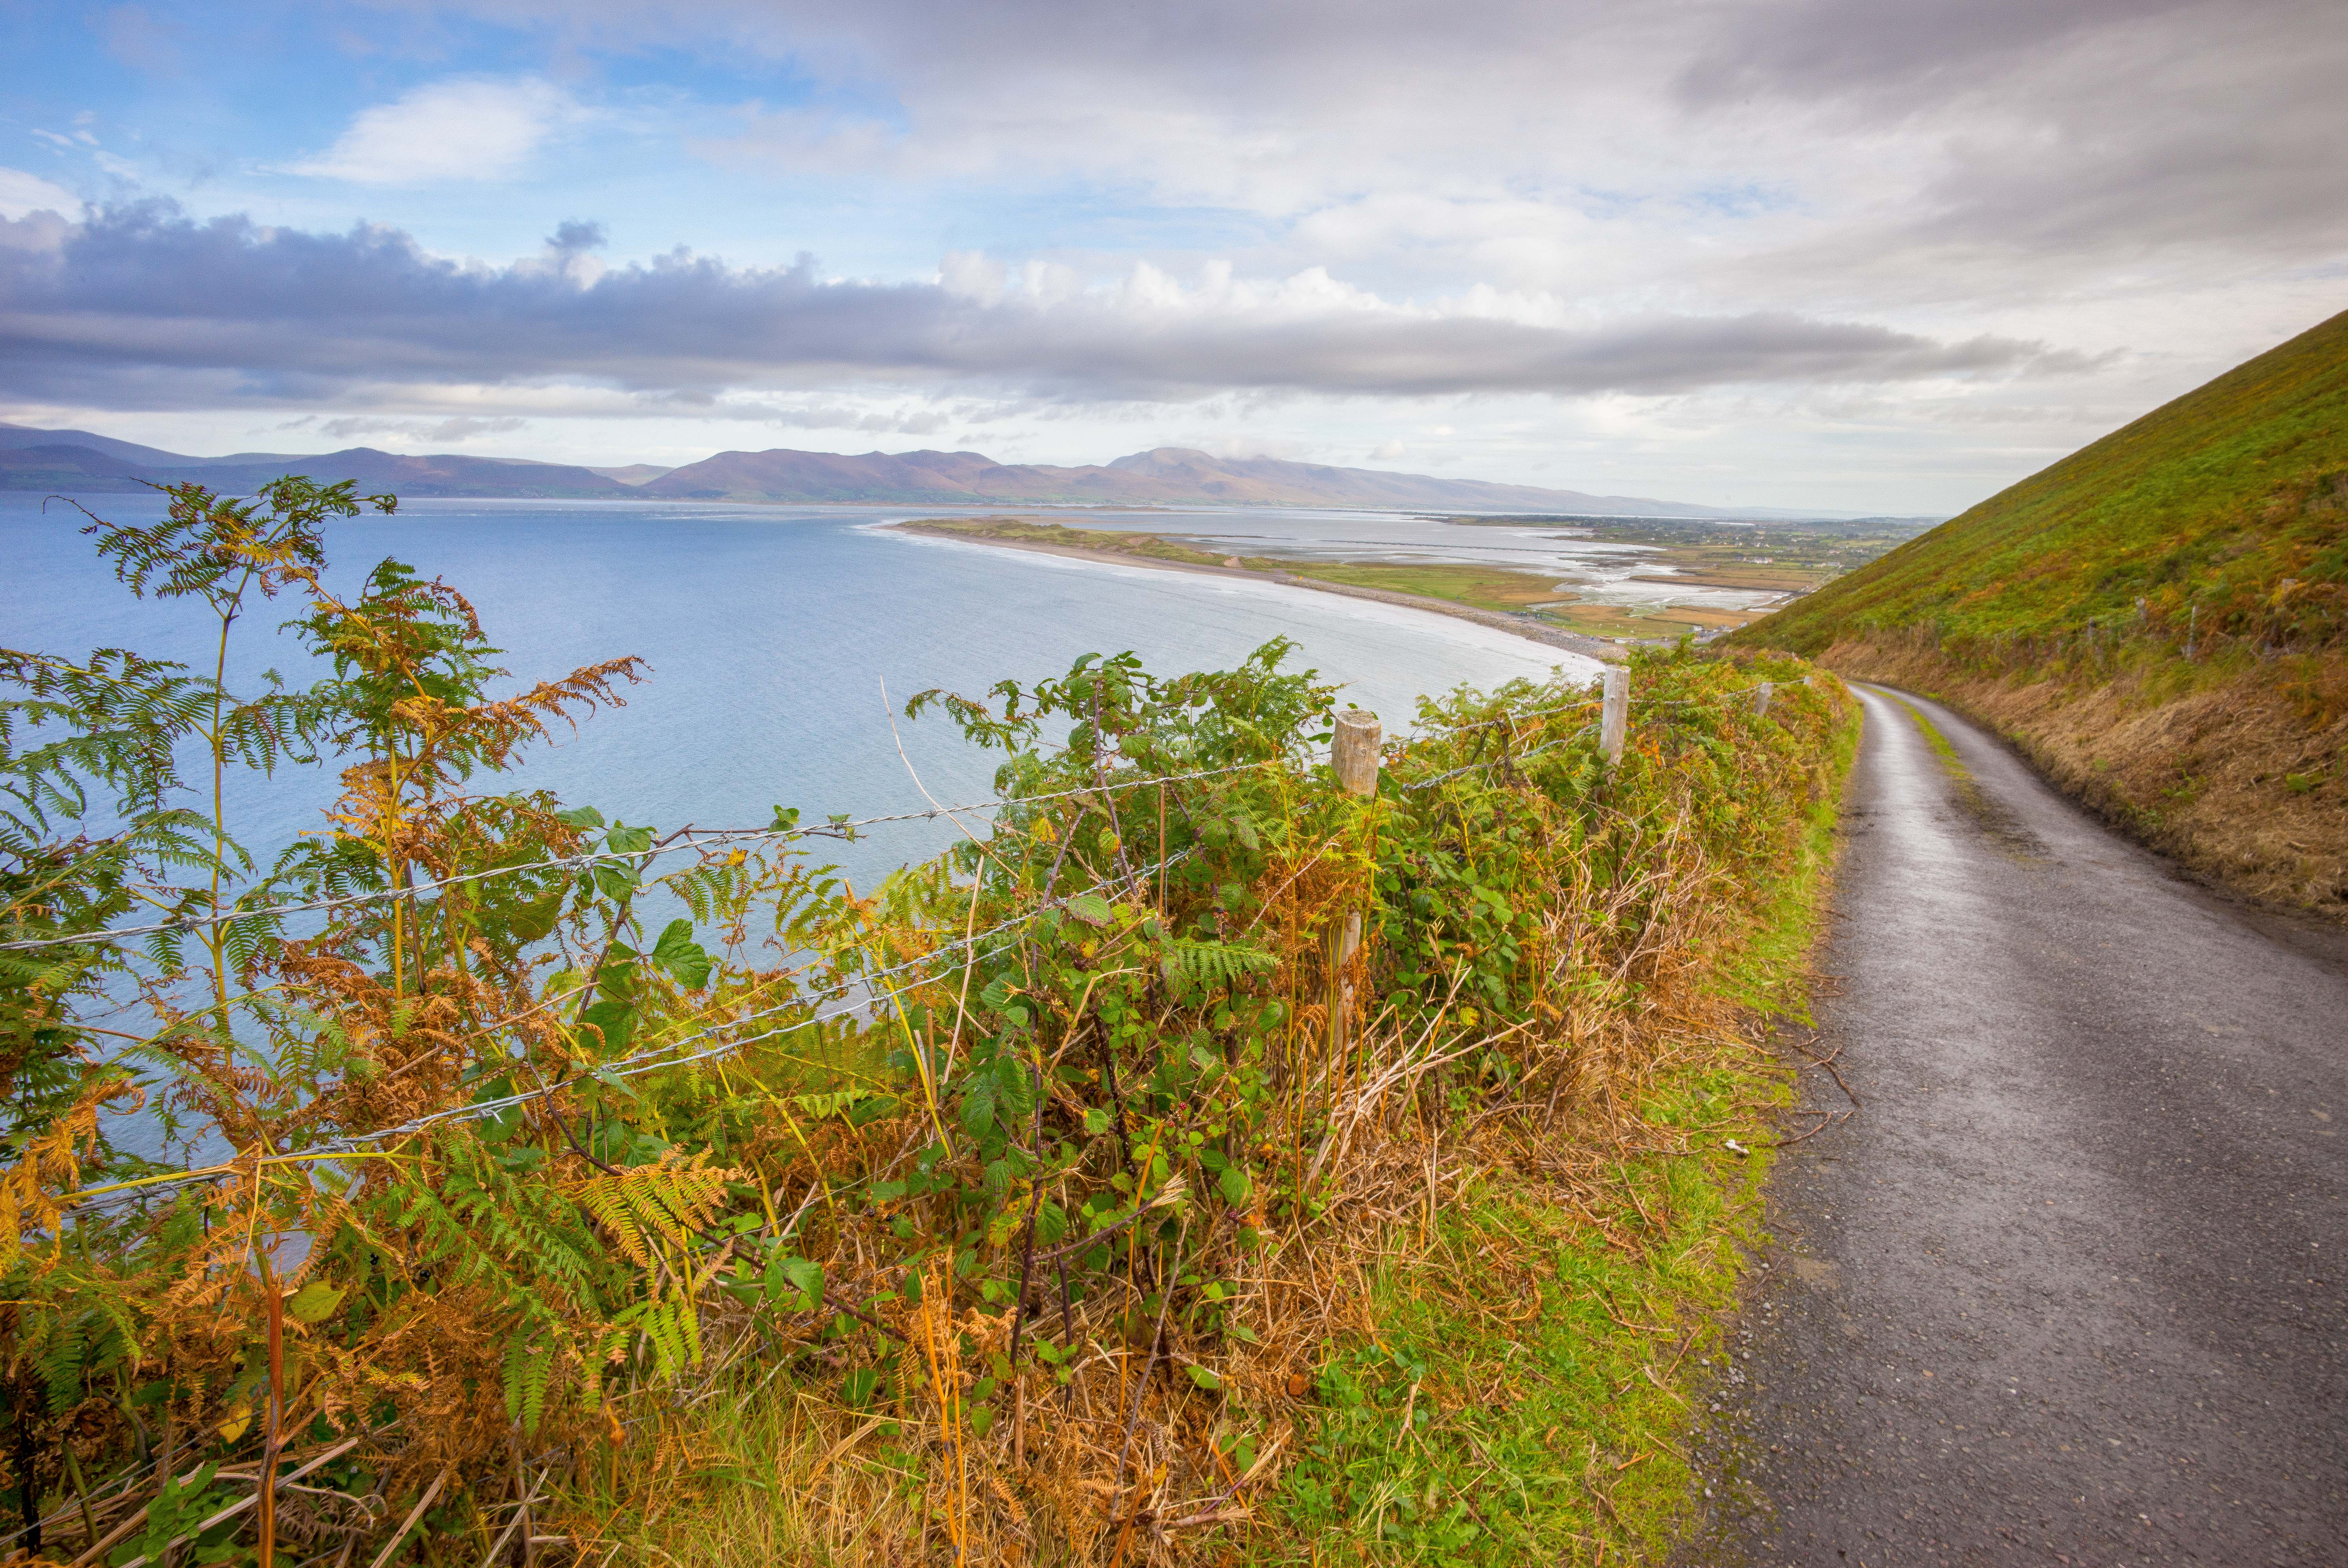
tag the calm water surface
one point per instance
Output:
(769, 632)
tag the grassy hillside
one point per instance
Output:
(2203, 508)
(2159, 621)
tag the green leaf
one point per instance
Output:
(1014, 1090)
(982, 1420)
(1205, 1379)
(583, 816)
(978, 1105)
(618, 1022)
(531, 922)
(787, 817)
(681, 956)
(1234, 1183)
(1091, 908)
(314, 1302)
(795, 1283)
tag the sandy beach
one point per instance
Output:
(1588, 647)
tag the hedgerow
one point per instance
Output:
(525, 1134)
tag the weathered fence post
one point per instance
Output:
(1355, 752)
(1614, 717)
(1353, 756)
(1761, 695)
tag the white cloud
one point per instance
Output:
(467, 128)
(21, 193)
(1390, 450)
(459, 429)
(1813, 239)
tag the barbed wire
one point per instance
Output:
(1513, 718)
(1714, 698)
(649, 1059)
(685, 838)
(704, 839)
(664, 1056)
(1425, 784)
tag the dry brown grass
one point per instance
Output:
(2240, 773)
(1135, 1459)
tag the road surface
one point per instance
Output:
(2067, 1287)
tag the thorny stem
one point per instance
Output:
(1027, 1249)
(215, 936)
(1165, 1299)
(1068, 1331)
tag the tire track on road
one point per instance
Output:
(2068, 1288)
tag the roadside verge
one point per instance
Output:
(2236, 767)
(1530, 1363)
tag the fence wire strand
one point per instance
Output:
(649, 1059)
(683, 839)
(663, 1055)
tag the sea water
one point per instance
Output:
(779, 645)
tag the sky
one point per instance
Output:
(1868, 255)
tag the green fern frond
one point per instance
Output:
(1212, 964)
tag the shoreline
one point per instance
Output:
(1548, 636)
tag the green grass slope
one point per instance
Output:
(2203, 508)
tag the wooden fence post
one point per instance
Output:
(1761, 695)
(1355, 752)
(1354, 755)
(1614, 716)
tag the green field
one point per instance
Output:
(1777, 558)
(1058, 535)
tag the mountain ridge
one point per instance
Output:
(1162, 475)
(33, 458)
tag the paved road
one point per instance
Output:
(2068, 1288)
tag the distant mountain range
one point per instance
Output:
(77, 461)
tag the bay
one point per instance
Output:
(768, 635)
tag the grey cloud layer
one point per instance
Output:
(142, 307)
(2208, 124)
